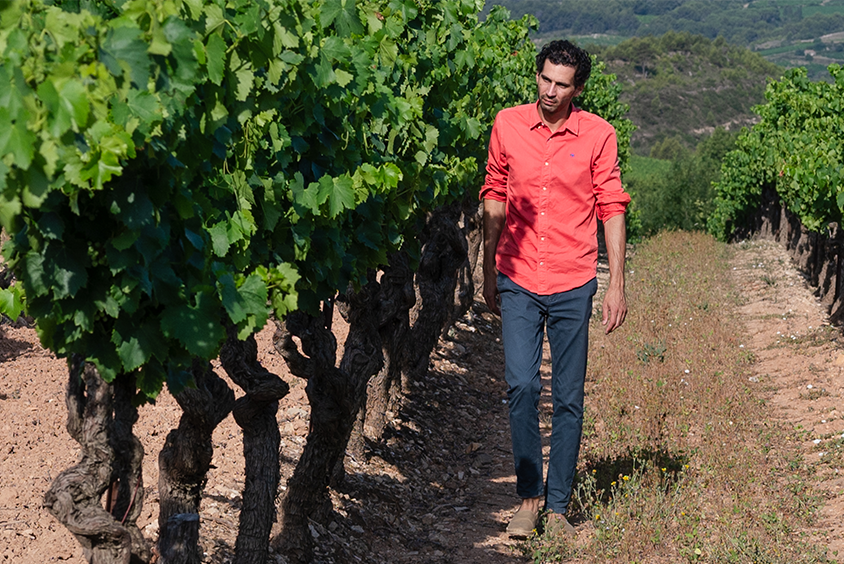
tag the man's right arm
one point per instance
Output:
(494, 218)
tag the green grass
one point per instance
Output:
(642, 168)
(603, 40)
(792, 48)
(646, 19)
(803, 3)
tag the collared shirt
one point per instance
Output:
(556, 186)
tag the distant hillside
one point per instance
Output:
(683, 85)
(808, 33)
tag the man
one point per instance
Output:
(552, 173)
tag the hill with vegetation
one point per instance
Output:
(684, 86)
(808, 33)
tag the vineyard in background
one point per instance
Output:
(173, 174)
(796, 151)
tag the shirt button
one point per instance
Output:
(541, 263)
(542, 238)
(541, 213)
(544, 187)
(546, 164)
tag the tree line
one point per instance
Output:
(741, 23)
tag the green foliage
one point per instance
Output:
(674, 186)
(12, 301)
(171, 169)
(796, 150)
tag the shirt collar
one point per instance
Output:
(572, 124)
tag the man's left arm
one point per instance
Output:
(612, 201)
(615, 301)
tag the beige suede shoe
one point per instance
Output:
(523, 523)
(557, 525)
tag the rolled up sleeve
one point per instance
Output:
(611, 199)
(497, 170)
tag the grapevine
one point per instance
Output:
(795, 150)
(173, 173)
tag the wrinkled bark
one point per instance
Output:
(75, 497)
(184, 462)
(384, 391)
(451, 246)
(255, 413)
(128, 501)
(335, 395)
(444, 252)
(470, 226)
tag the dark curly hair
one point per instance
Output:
(562, 52)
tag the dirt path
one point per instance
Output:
(799, 369)
(439, 488)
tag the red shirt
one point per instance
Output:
(556, 186)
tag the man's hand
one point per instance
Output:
(614, 309)
(491, 293)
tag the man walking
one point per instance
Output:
(552, 173)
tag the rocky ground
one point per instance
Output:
(439, 488)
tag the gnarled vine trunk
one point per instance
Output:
(128, 487)
(451, 245)
(335, 395)
(444, 252)
(100, 418)
(255, 413)
(184, 462)
(384, 392)
(471, 229)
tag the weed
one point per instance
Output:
(815, 393)
(650, 351)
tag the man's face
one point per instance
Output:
(556, 87)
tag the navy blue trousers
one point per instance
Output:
(525, 317)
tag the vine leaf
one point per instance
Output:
(247, 303)
(67, 108)
(220, 238)
(11, 302)
(69, 275)
(16, 139)
(216, 53)
(195, 327)
(343, 14)
(135, 345)
(339, 192)
(124, 45)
